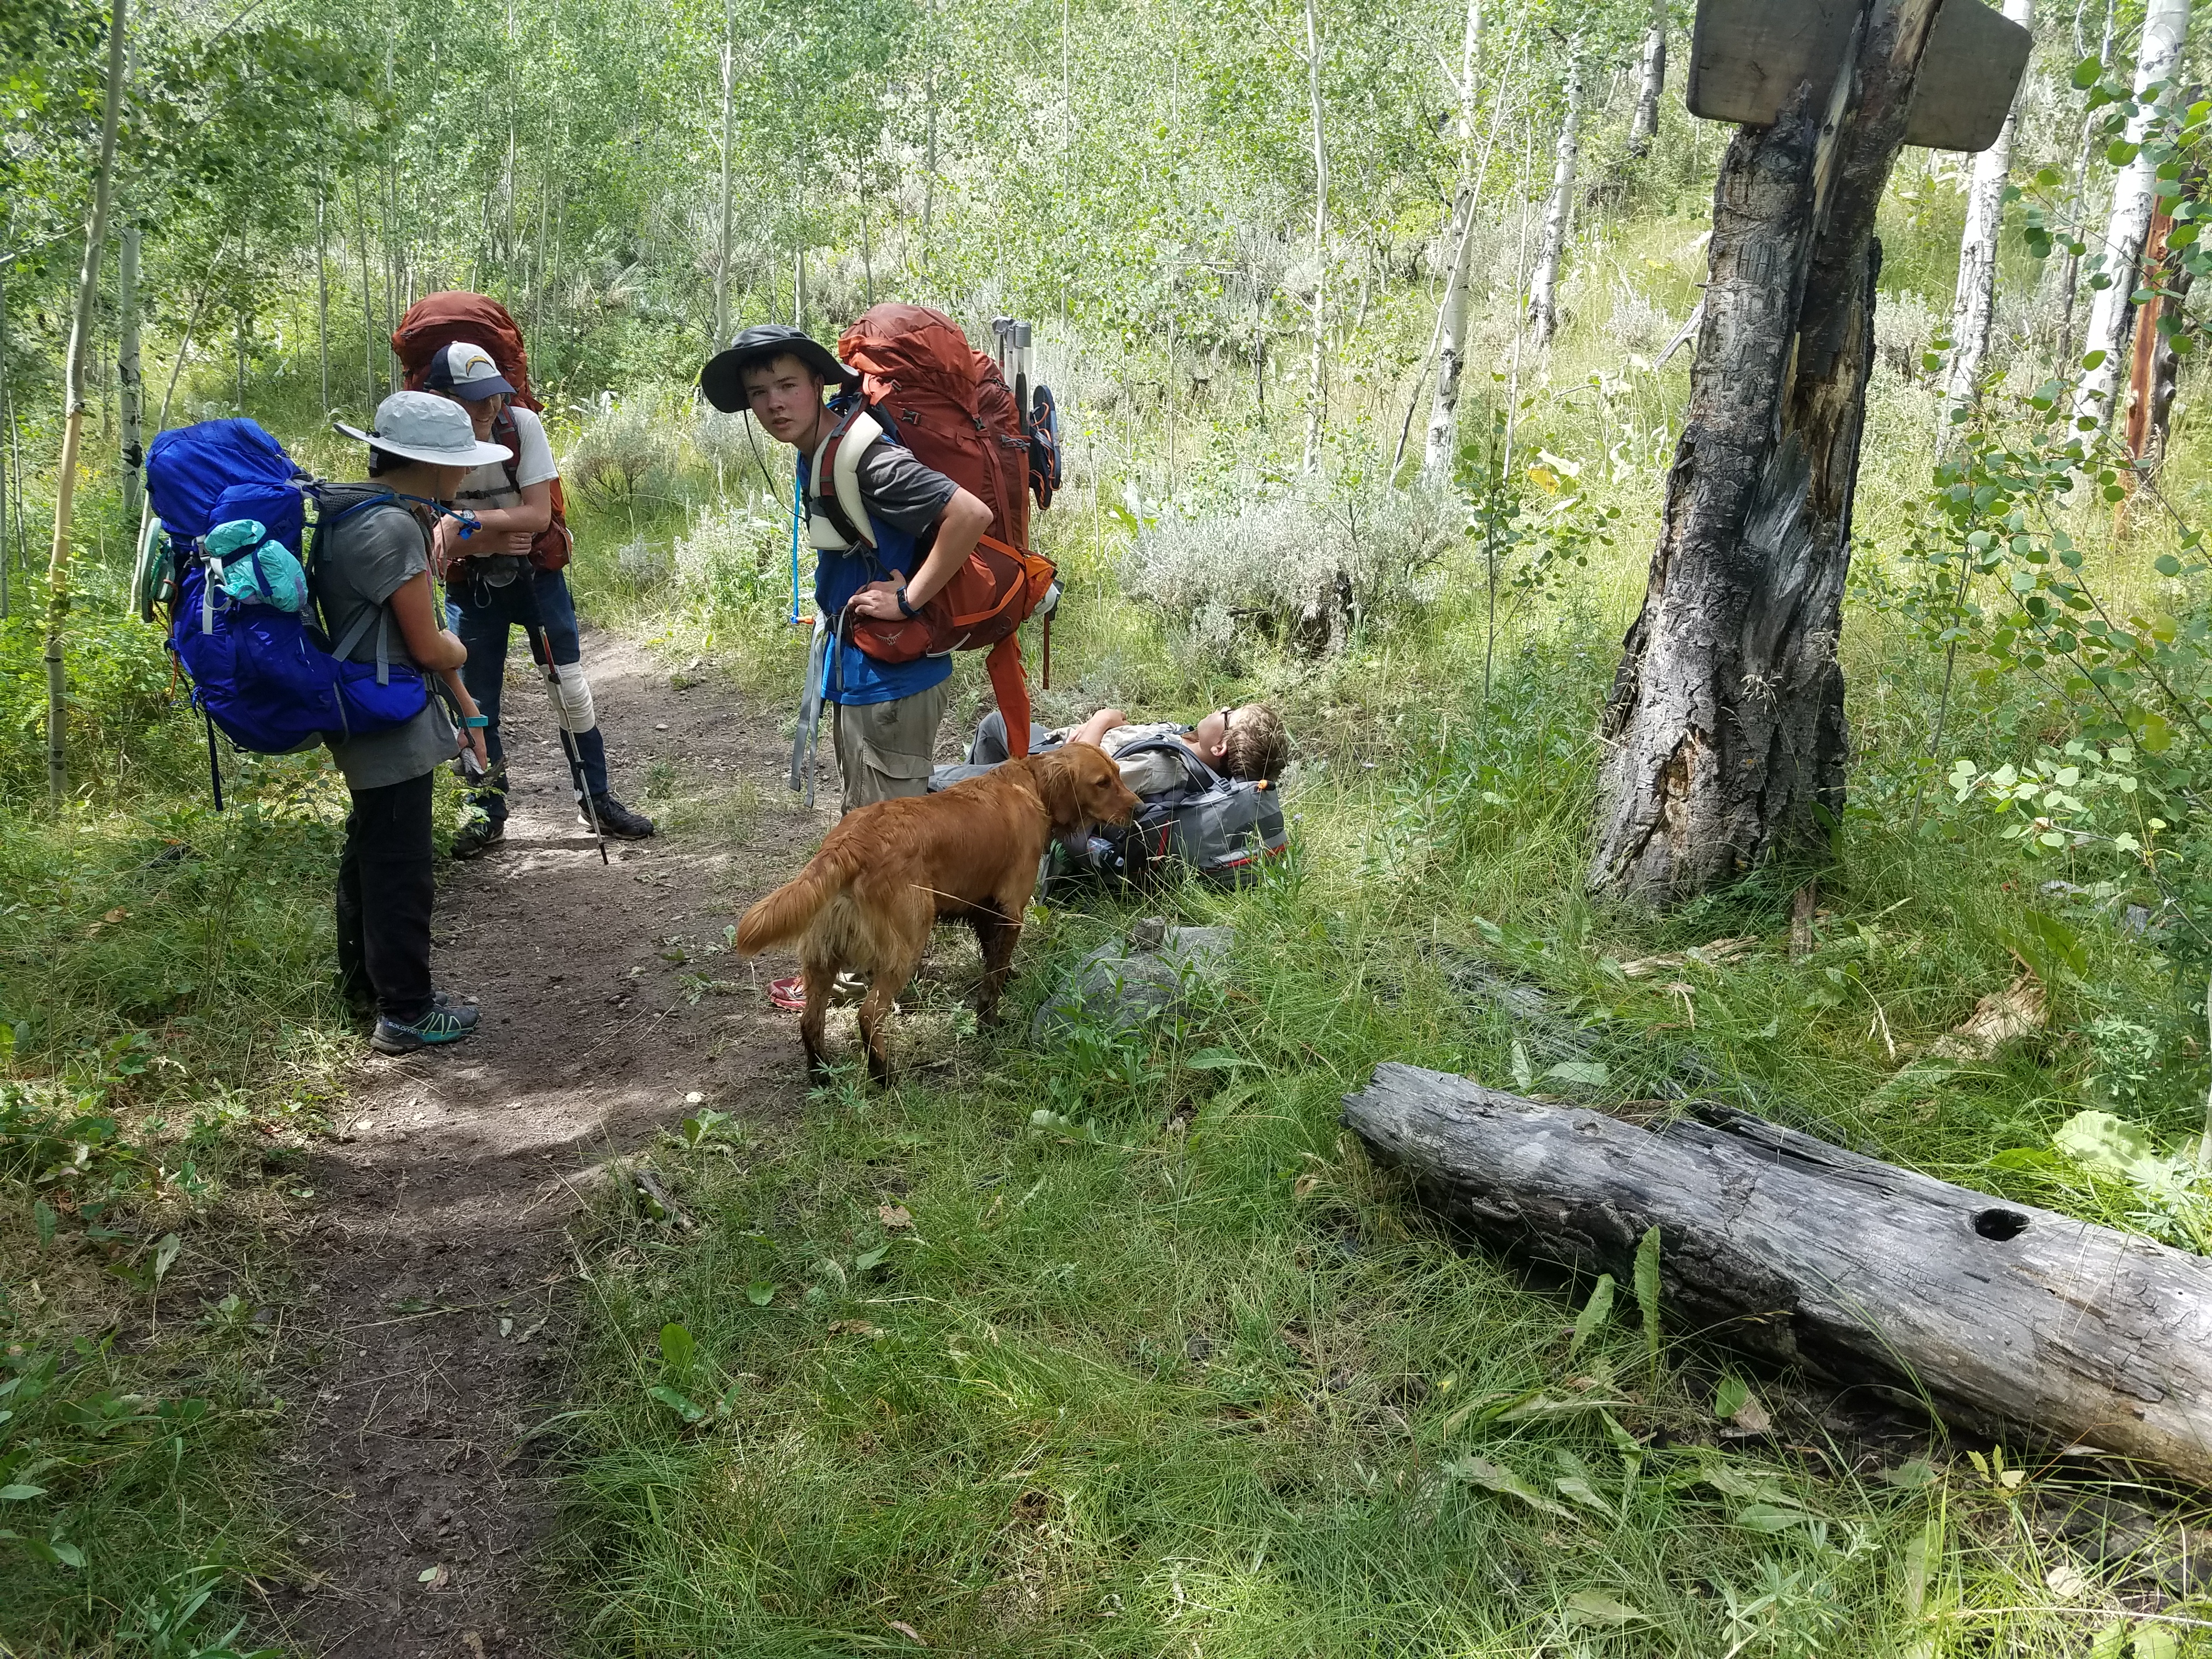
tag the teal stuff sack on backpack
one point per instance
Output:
(256, 570)
(263, 673)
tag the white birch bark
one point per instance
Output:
(1973, 307)
(1643, 125)
(2111, 314)
(131, 384)
(722, 248)
(8, 424)
(1543, 297)
(323, 301)
(87, 293)
(2070, 270)
(1317, 380)
(1452, 312)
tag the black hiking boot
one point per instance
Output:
(444, 1023)
(618, 820)
(477, 836)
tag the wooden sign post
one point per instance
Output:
(1726, 742)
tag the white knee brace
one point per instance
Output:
(572, 699)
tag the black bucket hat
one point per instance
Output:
(722, 377)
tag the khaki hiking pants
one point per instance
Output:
(885, 749)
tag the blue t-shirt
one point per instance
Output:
(904, 500)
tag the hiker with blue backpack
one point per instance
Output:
(302, 615)
(371, 575)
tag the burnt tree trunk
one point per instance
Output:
(1724, 731)
(1811, 1255)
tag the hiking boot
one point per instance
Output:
(478, 837)
(618, 820)
(443, 1024)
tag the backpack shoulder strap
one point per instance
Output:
(380, 615)
(833, 477)
(504, 431)
(1202, 777)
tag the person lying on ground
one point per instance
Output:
(1248, 742)
(421, 447)
(886, 714)
(496, 588)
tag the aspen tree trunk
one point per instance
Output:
(7, 416)
(1543, 299)
(2166, 368)
(130, 382)
(2112, 316)
(2070, 270)
(729, 103)
(1317, 376)
(1725, 738)
(1973, 308)
(929, 141)
(88, 292)
(1452, 313)
(367, 305)
(322, 302)
(1643, 125)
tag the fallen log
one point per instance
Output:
(2002, 1315)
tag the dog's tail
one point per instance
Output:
(783, 915)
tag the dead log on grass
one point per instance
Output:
(1809, 1254)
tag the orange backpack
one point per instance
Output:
(949, 405)
(436, 321)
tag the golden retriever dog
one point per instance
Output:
(891, 869)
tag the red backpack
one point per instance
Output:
(434, 322)
(948, 403)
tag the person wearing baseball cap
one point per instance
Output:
(496, 586)
(372, 556)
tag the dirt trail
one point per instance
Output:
(435, 1271)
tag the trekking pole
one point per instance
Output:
(541, 649)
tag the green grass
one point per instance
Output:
(1170, 1368)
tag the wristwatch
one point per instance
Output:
(905, 610)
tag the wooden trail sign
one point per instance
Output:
(1746, 57)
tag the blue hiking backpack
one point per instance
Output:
(270, 678)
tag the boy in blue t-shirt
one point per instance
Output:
(926, 526)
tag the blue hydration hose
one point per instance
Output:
(796, 504)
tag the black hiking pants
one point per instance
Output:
(386, 880)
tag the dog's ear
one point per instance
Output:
(1056, 788)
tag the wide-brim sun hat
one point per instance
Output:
(421, 426)
(723, 378)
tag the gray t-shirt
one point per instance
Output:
(900, 491)
(359, 564)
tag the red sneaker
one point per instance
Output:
(845, 990)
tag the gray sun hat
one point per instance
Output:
(722, 379)
(421, 426)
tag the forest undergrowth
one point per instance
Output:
(1115, 1342)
